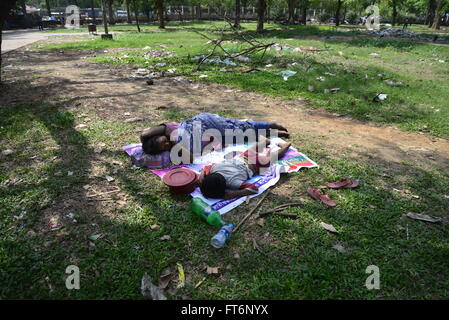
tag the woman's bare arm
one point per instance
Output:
(155, 131)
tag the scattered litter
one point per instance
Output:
(212, 270)
(96, 237)
(380, 97)
(7, 152)
(203, 76)
(149, 290)
(141, 71)
(389, 32)
(200, 283)
(393, 83)
(155, 227)
(146, 48)
(269, 65)
(287, 74)
(329, 74)
(340, 53)
(339, 248)
(8, 66)
(171, 70)
(182, 280)
(423, 217)
(98, 150)
(320, 79)
(374, 54)
(80, 126)
(160, 64)
(311, 88)
(158, 54)
(22, 215)
(446, 196)
(242, 59)
(165, 279)
(135, 247)
(109, 178)
(69, 173)
(334, 90)
(223, 70)
(328, 227)
(441, 61)
(165, 238)
(70, 215)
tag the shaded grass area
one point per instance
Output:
(297, 259)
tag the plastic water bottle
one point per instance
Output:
(220, 238)
(205, 212)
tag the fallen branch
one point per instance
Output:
(280, 208)
(251, 212)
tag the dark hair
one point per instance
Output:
(150, 145)
(213, 186)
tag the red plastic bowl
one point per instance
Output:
(181, 180)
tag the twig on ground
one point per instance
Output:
(252, 210)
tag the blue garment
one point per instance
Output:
(225, 126)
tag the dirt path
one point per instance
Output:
(110, 93)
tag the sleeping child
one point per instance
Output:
(227, 179)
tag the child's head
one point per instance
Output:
(213, 186)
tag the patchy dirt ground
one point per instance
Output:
(111, 93)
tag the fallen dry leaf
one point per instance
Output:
(328, 227)
(165, 279)
(423, 217)
(212, 270)
(339, 248)
(166, 237)
(155, 227)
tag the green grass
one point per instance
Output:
(298, 260)
(419, 105)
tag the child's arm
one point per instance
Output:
(237, 194)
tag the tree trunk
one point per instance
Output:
(137, 19)
(437, 18)
(395, 12)
(47, 3)
(105, 20)
(110, 13)
(337, 13)
(237, 14)
(128, 14)
(94, 20)
(304, 14)
(430, 12)
(261, 7)
(291, 11)
(160, 13)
